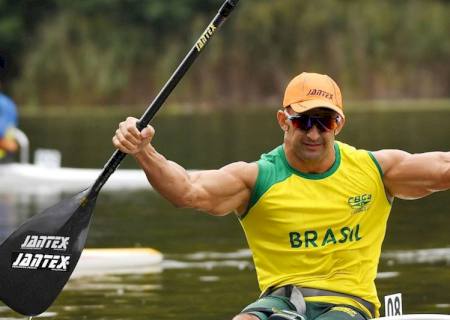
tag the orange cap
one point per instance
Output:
(313, 90)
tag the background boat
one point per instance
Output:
(100, 262)
(31, 178)
(46, 175)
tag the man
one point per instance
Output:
(314, 210)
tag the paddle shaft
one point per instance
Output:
(117, 157)
(38, 258)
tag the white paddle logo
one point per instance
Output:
(41, 261)
(45, 242)
(46, 261)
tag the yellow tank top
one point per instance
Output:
(321, 231)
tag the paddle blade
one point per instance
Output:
(36, 261)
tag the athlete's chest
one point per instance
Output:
(316, 214)
(340, 197)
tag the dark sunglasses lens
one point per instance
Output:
(327, 122)
(302, 122)
(323, 123)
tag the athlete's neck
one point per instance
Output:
(320, 164)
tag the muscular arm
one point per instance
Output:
(413, 176)
(217, 192)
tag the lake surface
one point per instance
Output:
(207, 272)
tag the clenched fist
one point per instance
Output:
(129, 140)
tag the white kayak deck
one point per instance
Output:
(95, 262)
(26, 178)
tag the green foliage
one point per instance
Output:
(113, 52)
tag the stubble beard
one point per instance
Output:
(311, 155)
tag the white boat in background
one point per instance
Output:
(47, 176)
(29, 178)
(99, 262)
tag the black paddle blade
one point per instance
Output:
(36, 261)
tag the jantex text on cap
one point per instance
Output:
(321, 93)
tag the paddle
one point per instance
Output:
(36, 261)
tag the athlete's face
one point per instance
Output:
(310, 137)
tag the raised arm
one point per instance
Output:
(413, 176)
(217, 192)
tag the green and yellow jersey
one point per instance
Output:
(321, 231)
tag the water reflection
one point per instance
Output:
(431, 256)
(8, 216)
(15, 208)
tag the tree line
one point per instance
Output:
(120, 52)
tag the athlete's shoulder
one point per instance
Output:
(272, 168)
(352, 152)
(273, 155)
(244, 171)
(273, 165)
(361, 158)
(347, 147)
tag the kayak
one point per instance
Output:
(95, 262)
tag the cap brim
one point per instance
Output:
(312, 104)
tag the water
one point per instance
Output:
(207, 271)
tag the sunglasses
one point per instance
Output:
(305, 122)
